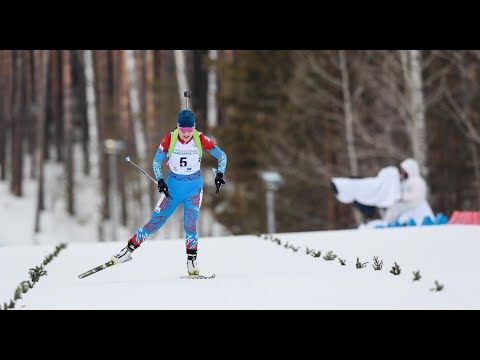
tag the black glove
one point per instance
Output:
(162, 187)
(219, 182)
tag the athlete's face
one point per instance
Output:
(185, 133)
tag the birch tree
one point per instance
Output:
(348, 113)
(417, 127)
(41, 59)
(6, 111)
(68, 121)
(212, 108)
(329, 70)
(17, 126)
(138, 131)
(150, 110)
(80, 108)
(123, 111)
(30, 109)
(94, 142)
(56, 103)
(395, 82)
(3, 125)
(101, 102)
(134, 99)
(181, 72)
(395, 78)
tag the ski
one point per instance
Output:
(197, 276)
(96, 269)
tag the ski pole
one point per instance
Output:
(138, 167)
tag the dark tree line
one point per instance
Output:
(301, 129)
(309, 115)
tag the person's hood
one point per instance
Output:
(411, 167)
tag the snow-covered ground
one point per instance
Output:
(256, 273)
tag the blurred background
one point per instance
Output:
(68, 119)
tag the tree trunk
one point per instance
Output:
(212, 108)
(17, 136)
(141, 81)
(181, 72)
(473, 148)
(124, 117)
(3, 126)
(331, 199)
(56, 104)
(67, 117)
(30, 109)
(150, 113)
(81, 107)
(198, 75)
(418, 132)
(349, 133)
(41, 73)
(134, 100)
(138, 132)
(348, 112)
(101, 72)
(94, 142)
(7, 90)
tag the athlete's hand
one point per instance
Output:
(219, 182)
(163, 188)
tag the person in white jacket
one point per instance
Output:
(413, 203)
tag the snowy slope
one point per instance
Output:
(256, 273)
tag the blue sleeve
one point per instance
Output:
(222, 158)
(157, 164)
